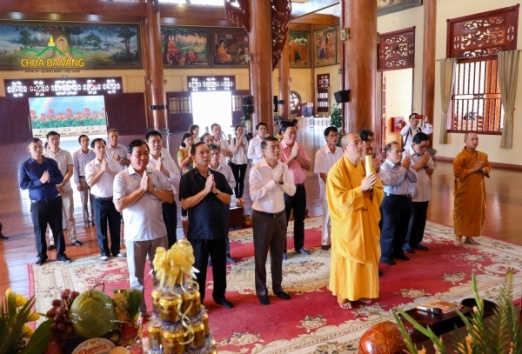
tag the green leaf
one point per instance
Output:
(40, 338)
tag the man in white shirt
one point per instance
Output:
(115, 150)
(161, 160)
(421, 162)
(325, 158)
(139, 193)
(226, 171)
(99, 174)
(269, 181)
(81, 158)
(254, 146)
(412, 128)
(224, 146)
(65, 163)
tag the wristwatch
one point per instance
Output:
(217, 192)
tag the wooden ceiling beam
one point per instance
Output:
(86, 7)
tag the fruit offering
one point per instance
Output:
(59, 313)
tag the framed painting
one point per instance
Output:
(325, 46)
(49, 46)
(385, 7)
(230, 48)
(299, 49)
(185, 46)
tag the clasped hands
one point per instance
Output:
(277, 174)
(368, 182)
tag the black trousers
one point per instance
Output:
(417, 224)
(395, 218)
(298, 203)
(239, 176)
(217, 251)
(269, 235)
(43, 213)
(105, 213)
(170, 218)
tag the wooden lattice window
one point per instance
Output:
(180, 105)
(475, 41)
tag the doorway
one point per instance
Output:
(212, 107)
(397, 99)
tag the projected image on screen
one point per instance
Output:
(72, 115)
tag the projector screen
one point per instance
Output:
(69, 116)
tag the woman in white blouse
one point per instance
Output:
(238, 161)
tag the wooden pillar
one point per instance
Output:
(428, 65)
(147, 66)
(261, 63)
(155, 82)
(360, 64)
(284, 81)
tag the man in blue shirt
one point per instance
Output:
(40, 176)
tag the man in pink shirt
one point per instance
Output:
(294, 156)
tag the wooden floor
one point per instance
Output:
(504, 207)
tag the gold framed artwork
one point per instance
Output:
(230, 48)
(325, 42)
(184, 46)
(385, 7)
(299, 49)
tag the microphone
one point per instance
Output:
(433, 310)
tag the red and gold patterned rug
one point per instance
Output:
(311, 322)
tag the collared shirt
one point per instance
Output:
(239, 154)
(223, 144)
(120, 149)
(144, 219)
(254, 149)
(408, 133)
(420, 191)
(30, 174)
(209, 219)
(226, 171)
(267, 195)
(297, 172)
(168, 163)
(324, 160)
(64, 159)
(81, 159)
(104, 187)
(396, 179)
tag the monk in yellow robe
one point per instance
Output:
(353, 201)
(469, 213)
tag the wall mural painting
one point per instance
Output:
(299, 49)
(325, 46)
(230, 48)
(388, 6)
(67, 46)
(184, 46)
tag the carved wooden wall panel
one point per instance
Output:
(396, 50)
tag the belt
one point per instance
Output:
(45, 200)
(272, 215)
(81, 177)
(104, 199)
(398, 195)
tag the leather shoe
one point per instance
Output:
(231, 260)
(388, 261)
(421, 247)
(76, 243)
(3, 237)
(303, 251)
(41, 261)
(224, 302)
(325, 247)
(51, 247)
(402, 257)
(285, 257)
(282, 295)
(264, 300)
(409, 250)
(64, 258)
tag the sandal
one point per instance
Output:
(471, 241)
(345, 304)
(458, 241)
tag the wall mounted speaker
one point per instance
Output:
(247, 100)
(342, 96)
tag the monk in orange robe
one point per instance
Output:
(470, 167)
(353, 202)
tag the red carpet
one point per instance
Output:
(312, 320)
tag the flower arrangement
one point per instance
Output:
(497, 334)
(16, 334)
